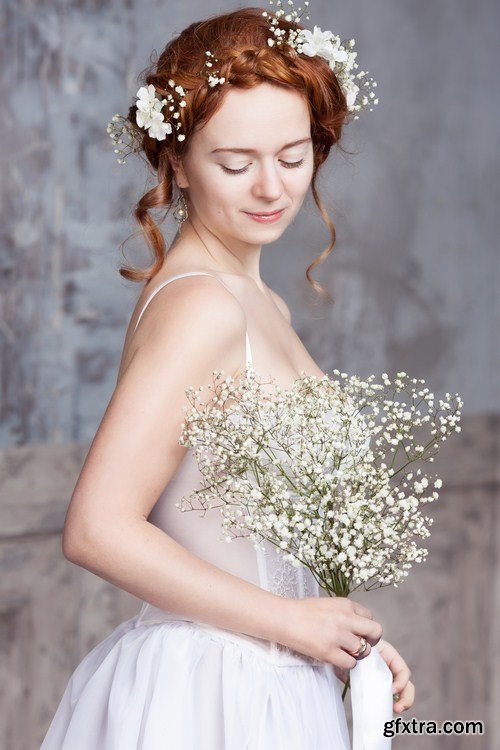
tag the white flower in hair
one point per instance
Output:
(350, 92)
(319, 43)
(158, 128)
(147, 104)
(149, 115)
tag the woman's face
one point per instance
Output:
(225, 183)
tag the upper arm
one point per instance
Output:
(197, 326)
(281, 304)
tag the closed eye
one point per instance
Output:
(287, 164)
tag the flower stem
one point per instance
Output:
(346, 686)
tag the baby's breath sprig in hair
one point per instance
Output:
(172, 108)
(213, 75)
(339, 54)
(123, 134)
(294, 16)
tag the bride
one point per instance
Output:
(222, 655)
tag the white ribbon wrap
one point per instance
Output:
(371, 701)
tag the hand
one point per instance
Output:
(327, 628)
(401, 683)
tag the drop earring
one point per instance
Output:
(181, 210)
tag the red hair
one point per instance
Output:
(239, 41)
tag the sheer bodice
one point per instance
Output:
(200, 531)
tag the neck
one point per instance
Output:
(224, 256)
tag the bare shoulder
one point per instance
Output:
(281, 304)
(190, 296)
(186, 318)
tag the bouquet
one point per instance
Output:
(327, 471)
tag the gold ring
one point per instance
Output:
(362, 647)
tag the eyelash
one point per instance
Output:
(287, 164)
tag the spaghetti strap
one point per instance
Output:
(249, 358)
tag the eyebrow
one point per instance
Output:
(253, 151)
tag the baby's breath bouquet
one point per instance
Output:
(323, 470)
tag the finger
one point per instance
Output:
(401, 679)
(383, 647)
(352, 643)
(371, 629)
(360, 609)
(401, 674)
(396, 663)
(406, 698)
(365, 652)
(342, 659)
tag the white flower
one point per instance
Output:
(337, 54)
(316, 42)
(320, 43)
(350, 92)
(158, 128)
(147, 106)
(149, 115)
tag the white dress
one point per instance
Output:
(161, 681)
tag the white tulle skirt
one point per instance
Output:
(174, 684)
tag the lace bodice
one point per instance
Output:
(284, 579)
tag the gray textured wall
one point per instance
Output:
(414, 272)
(415, 268)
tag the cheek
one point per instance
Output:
(215, 195)
(225, 194)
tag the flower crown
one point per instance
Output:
(161, 116)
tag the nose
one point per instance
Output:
(268, 182)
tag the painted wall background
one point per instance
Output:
(414, 273)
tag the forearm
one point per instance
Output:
(143, 560)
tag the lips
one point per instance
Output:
(265, 213)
